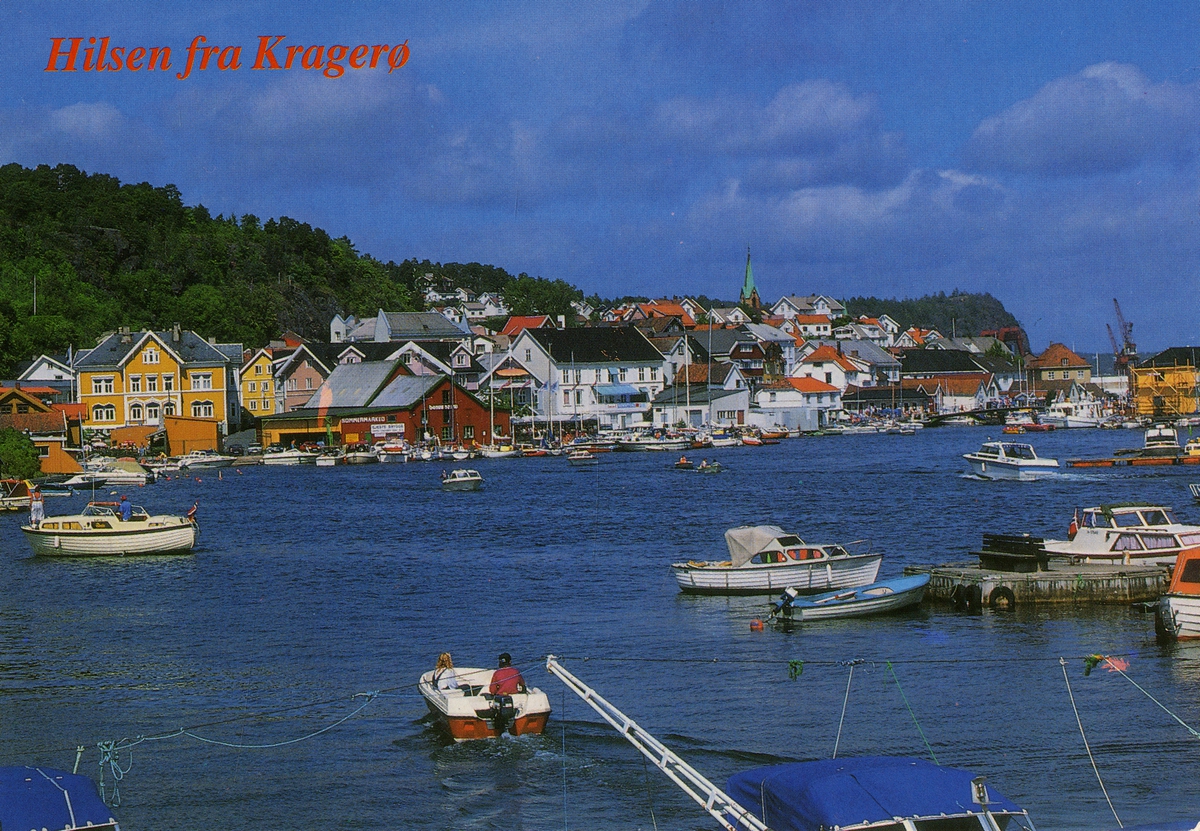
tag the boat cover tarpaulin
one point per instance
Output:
(746, 541)
(44, 798)
(811, 796)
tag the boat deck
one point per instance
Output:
(971, 585)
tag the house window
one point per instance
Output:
(566, 376)
(653, 373)
(152, 411)
(1050, 375)
(622, 373)
(447, 433)
(104, 412)
(168, 382)
(135, 383)
(266, 405)
(135, 412)
(1079, 373)
(578, 397)
(641, 373)
(828, 377)
(169, 408)
(447, 398)
(150, 355)
(151, 383)
(528, 354)
(469, 431)
(258, 369)
(254, 386)
(100, 385)
(253, 404)
(201, 380)
(202, 409)
(772, 396)
(266, 386)
(308, 383)
(566, 398)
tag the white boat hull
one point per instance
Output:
(806, 576)
(992, 469)
(289, 458)
(1177, 617)
(465, 712)
(173, 535)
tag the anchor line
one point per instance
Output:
(1091, 758)
(904, 698)
(1146, 693)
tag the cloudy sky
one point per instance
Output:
(1045, 152)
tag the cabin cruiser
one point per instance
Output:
(1010, 460)
(360, 454)
(291, 456)
(1073, 414)
(101, 532)
(766, 559)
(461, 479)
(102, 472)
(1160, 441)
(468, 711)
(1126, 533)
(1177, 613)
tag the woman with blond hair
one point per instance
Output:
(444, 675)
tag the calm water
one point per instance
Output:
(311, 585)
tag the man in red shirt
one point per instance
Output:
(507, 679)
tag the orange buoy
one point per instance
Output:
(756, 625)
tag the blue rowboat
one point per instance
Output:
(872, 599)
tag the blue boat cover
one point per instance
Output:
(37, 798)
(810, 796)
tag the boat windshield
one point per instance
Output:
(1019, 451)
(1157, 516)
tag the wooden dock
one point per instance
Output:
(973, 587)
(1135, 461)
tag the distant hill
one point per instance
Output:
(89, 254)
(957, 313)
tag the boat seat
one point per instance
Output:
(471, 689)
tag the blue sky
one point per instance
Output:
(1044, 152)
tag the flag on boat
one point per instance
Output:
(1073, 528)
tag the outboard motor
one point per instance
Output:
(503, 712)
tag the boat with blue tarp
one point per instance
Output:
(36, 797)
(873, 599)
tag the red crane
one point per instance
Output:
(1126, 353)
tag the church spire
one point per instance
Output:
(749, 295)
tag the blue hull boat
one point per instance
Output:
(872, 599)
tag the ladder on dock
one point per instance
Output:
(716, 802)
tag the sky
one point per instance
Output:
(1044, 152)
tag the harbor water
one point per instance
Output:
(269, 680)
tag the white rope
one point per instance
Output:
(1063, 663)
(845, 701)
(1162, 706)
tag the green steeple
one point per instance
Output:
(749, 294)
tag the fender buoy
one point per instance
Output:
(1002, 597)
(974, 596)
(756, 625)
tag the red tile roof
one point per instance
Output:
(1054, 356)
(517, 324)
(811, 385)
(828, 353)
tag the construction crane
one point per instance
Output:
(1126, 352)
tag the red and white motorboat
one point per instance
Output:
(1131, 533)
(1177, 613)
(470, 712)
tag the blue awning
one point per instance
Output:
(53, 799)
(811, 796)
(617, 389)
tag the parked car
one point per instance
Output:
(235, 450)
(254, 449)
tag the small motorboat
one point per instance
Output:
(873, 599)
(1159, 442)
(764, 559)
(684, 464)
(1010, 460)
(1177, 613)
(331, 457)
(14, 494)
(470, 712)
(291, 456)
(709, 467)
(37, 797)
(361, 454)
(100, 532)
(461, 479)
(204, 460)
(581, 458)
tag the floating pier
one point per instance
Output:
(972, 587)
(1135, 461)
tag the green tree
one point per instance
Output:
(18, 455)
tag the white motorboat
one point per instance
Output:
(1159, 441)
(1126, 533)
(15, 494)
(102, 473)
(461, 479)
(646, 441)
(1010, 460)
(499, 451)
(581, 458)
(765, 559)
(392, 451)
(331, 458)
(99, 531)
(470, 712)
(360, 454)
(204, 460)
(1073, 414)
(291, 456)
(872, 599)
(1177, 613)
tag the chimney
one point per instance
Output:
(175, 333)
(562, 321)
(125, 336)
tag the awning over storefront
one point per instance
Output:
(617, 389)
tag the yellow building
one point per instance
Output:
(1160, 391)
(139, 378)
(256, 385)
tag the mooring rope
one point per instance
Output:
(845, 702)
(904, 698)
(1163, 707)
(1063, 663)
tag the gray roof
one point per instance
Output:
(677, 396)
(352, 385)
(723, 340)
(768, 334)
(406, 390)
(422, 326)
(596, 345)
(190, 347)
(864, 350)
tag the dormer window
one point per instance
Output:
(150, 355)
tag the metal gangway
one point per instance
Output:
(718, 803)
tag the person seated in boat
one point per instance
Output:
(444, 676)
(37, 508)
(125, 509)
(507, 679)
(683, 460)
(443, 476)
(704, 464)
